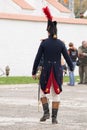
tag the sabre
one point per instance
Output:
(38, 77)
(38, 95)
(38, 74)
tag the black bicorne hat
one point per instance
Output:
(51, 28)
(51, 25)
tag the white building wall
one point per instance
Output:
(19, 41)
(72, 33)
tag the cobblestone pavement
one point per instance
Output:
(19, 108)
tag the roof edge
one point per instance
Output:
(59, 6)
(23, 4)
(42, 19)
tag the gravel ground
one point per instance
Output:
(19, 108)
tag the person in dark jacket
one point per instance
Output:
(51, 75)
(73, 53)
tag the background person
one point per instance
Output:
(73, 53)
(82, 54)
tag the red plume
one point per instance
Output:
(47, 13)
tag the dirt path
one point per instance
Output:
(19, 108)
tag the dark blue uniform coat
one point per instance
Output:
(51, 49)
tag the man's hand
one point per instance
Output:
(84, 54)
(81, 55)
(34, 76)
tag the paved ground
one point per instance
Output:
(19, 108)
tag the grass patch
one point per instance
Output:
(26, 80)
(17, 80)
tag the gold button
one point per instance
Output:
(58, 90)
(46, 90)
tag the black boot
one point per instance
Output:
(45, 109)
(55, 107)
(54, 116)
(46, 112)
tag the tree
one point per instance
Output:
(65, 1)
(80, 6)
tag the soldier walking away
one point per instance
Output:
(52, 74)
